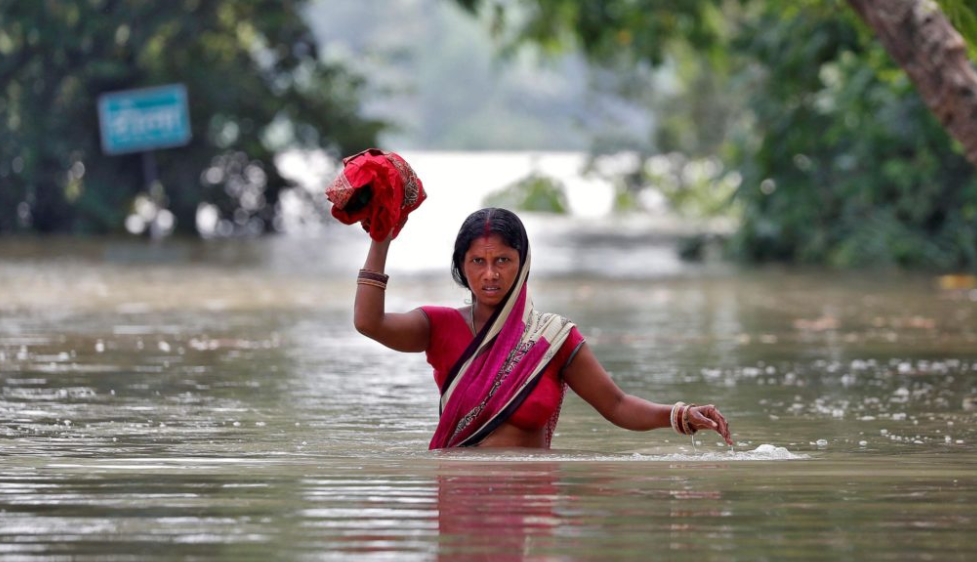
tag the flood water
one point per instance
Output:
(211, 400)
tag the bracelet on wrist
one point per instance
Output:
(675, 416)
(373, 275)
(686, 423)
(372, 283)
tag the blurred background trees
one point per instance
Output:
(848, 166)
(835, 157)
(256, 86)
(786, 114)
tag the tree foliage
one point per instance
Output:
(963, 16)
(607, 29)
(255, 83)
(839, 160)
(536, 192)
(846, 166)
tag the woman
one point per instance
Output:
(502, 367)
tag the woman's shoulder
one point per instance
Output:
(442, 314)
(557, 323)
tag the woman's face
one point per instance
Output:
(491, 267)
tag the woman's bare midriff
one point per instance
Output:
(508, 435)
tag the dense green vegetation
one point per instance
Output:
(847, 166)
(787, 113)
(256, 85)
(836, 158)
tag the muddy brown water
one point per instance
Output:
(211, 400)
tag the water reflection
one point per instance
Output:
(499, 512)
(515, 511)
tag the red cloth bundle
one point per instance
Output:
(378, 189)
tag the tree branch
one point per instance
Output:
(917, 34)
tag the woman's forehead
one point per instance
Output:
(492, 242)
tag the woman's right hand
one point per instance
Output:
(708, 417)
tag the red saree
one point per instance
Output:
(500, 368)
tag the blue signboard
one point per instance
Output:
(145, 119)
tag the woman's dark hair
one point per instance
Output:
(482, 223)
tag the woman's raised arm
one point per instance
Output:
(403, 332)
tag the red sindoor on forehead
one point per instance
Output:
(488, 226)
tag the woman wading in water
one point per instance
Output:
(503, 367)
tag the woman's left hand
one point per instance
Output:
(708, 417)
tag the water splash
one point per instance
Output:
(765, 452)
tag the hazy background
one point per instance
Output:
(770, 131)
(437, 74)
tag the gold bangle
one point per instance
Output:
(673, 416)
(372, 283)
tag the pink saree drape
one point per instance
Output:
(499, 369)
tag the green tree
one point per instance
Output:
(608, 29)
(536, 192)
(840, 160)
(919, 36)
(844, 163)
(256, 86)
(628, 40)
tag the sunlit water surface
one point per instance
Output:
(212, 400)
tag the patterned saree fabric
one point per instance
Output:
(377, 189)
(499, 369)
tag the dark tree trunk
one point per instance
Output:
(919, 37)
